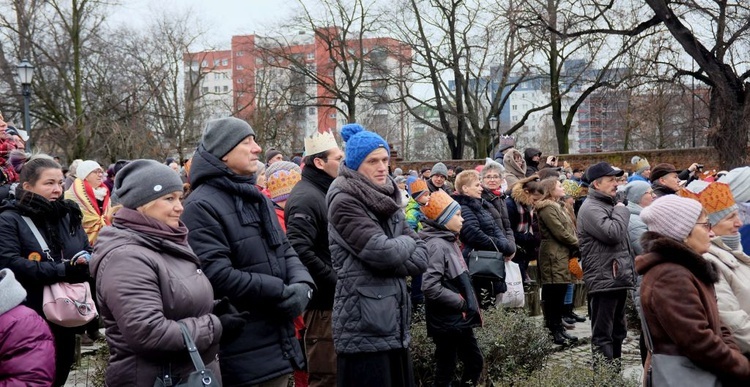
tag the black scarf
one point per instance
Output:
(49, 214)
(251, 205)
(382, 200)
(318, 177)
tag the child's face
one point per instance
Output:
(401, 186)
(456, 222)
(424, 199)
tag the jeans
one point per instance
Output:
(569, 295)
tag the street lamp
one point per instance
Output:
(25, 73)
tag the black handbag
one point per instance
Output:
(488, 265)
(201, 377)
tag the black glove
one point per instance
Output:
(232, 325)
(223, 307)
(76, 273)
(295, 299)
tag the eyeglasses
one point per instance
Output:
(492, 177)
(706, 225)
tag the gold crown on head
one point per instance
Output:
(714, 198)
(319, 142)
(280, 184)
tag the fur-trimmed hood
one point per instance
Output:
(546, 203)
(518, 194)
(658, 249)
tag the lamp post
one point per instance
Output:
(25, 73)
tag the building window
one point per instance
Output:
(204, 89)
(310, 55)
(217, 89)
(226, 89)
(311, 111)
(217, 75)
(204, 63)
(217, 62)
(240, 67)
(241, 80)
(515, 107)
(225, 62)
(240, 53)
(332, 115)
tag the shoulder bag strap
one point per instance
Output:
(192, 349)
(645, 331)
(37, 235)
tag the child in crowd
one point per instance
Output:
(452, 309)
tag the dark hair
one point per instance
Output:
(546, 173)
(310, 159)
(548, 186)
(532, 185)
(34, 167)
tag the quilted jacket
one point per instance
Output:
(501, 214)
(371, 254)
(480, 231)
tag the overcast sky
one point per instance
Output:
(224, 17)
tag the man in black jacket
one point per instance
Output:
(306, 218)
(246, 256)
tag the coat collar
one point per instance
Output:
(660, 249)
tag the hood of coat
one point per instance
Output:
(727, 256)
(634, 208)
(658, 249)
(521, 196)
(12, 292)
(529, 154)
(509, 162)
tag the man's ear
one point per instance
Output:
(318, 162)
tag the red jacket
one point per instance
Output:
(27, 349)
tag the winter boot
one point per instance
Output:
(568, 313)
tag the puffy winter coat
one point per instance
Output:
(306, 215)
(606, 256)
(732, 290)
(237, 257)
(146, 285)
(636, 227)
(27, 348)
(372, 255)
(20, 252)
(559, 243)
(679, 305)
(446, 284)
(500, 214)
(480, 231)
(414, 215)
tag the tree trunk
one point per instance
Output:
(729, 135)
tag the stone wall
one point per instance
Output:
(681, 158)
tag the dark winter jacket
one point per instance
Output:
(606, 255)
(240, 258)
(450, 302)
(532, 166)
(306, 215)
(559, 242)
(20, 251)
(480, 231)
(500, 214)
(679, 305)
(27, 348)
(373, 251)
(446, 187)
(528, 238)
(148, 280)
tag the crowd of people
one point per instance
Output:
(311, 268)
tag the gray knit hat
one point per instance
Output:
(439, 169)
(11, 292)
(142, 181)
(635, 190)
(223, 134)
(739, 181)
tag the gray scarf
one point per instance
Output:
(382, 200)
(732, 241)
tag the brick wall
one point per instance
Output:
(681, 158)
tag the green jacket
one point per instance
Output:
(414, 215)
(559, 242)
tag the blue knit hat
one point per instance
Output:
(360, 143)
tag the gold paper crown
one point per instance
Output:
(642, 163)
(571, 188)
(280, 184)
(439, 201)
(319, 142)
(714, 198)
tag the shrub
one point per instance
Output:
(572, 375)
(513, 345)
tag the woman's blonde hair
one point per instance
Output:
(466, 178)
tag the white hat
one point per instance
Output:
(86, 167)
(319, 142)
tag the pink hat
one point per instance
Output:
(672, 216)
